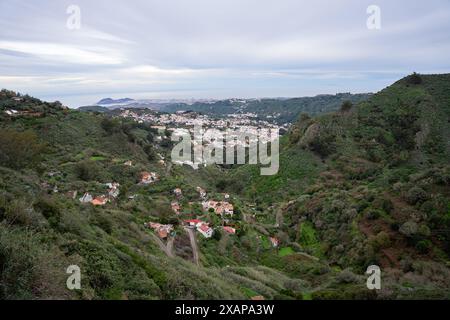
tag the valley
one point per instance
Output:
(363, 180)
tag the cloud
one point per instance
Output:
(217, 49)
(63, 53)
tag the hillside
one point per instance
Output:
(380, 192)
(367, 184)
(281, 111)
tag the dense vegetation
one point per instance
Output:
(367, 184)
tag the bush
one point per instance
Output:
(347, 276)
(150, 152)
(110, 125)
(19, 149)
(416, 195)
(381, 240)
(373, 214)
(103, 222)
(87, 170)
(49, 210)
(414, 79)
(409, 229)
(29, 269)
(18, 212)
(346, 106)
(423, 246)
(323, 144)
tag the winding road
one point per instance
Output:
(168, 249)
(194, 246)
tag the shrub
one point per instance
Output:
(18, 212)
(416, 195)
(323, 144)
(19, 149)
(346, 106)
(87, 170)
(423, 246)
(373, 214)
(409, 229)
(414, 79)
(381, 240)
(150, 152)
(29, 269)
(346, 276)
(49, 210)
(103, 222)
(110, 125)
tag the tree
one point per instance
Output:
(19, 149)
(346, 106)
(414, 79)
(87, 170)
(110, 125)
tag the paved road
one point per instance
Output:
(168, 249)
(194, 246)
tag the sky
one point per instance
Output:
(216, 48)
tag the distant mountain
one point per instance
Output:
(93, 109)
(108, 101)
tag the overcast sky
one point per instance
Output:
(216, 48)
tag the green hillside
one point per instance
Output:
(368, 184)
(282, 110)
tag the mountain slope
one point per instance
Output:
(365, 185)
(368, 185)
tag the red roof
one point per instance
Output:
(204, 228)
(193, 221)
(229, 229)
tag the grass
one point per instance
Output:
(286, 251)
(308, 239)
(265, 242)
(97, 158)
(249, 292)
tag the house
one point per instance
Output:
(226, 195)
(162, 163)
(205, 230)
(86, 198)
(162, 233)
(128, 163)
(178, 192)
(72, 194)
(220, 207)
(274, 241)
(100, 201)
(206, 205)
(256, 298)
(12, 112)
(176, 207)
(163, 230)
(113, 189)
(202, 193)
(227, 208)
(148, 177)
(193, 222)
(229, 230)
(17, 99)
